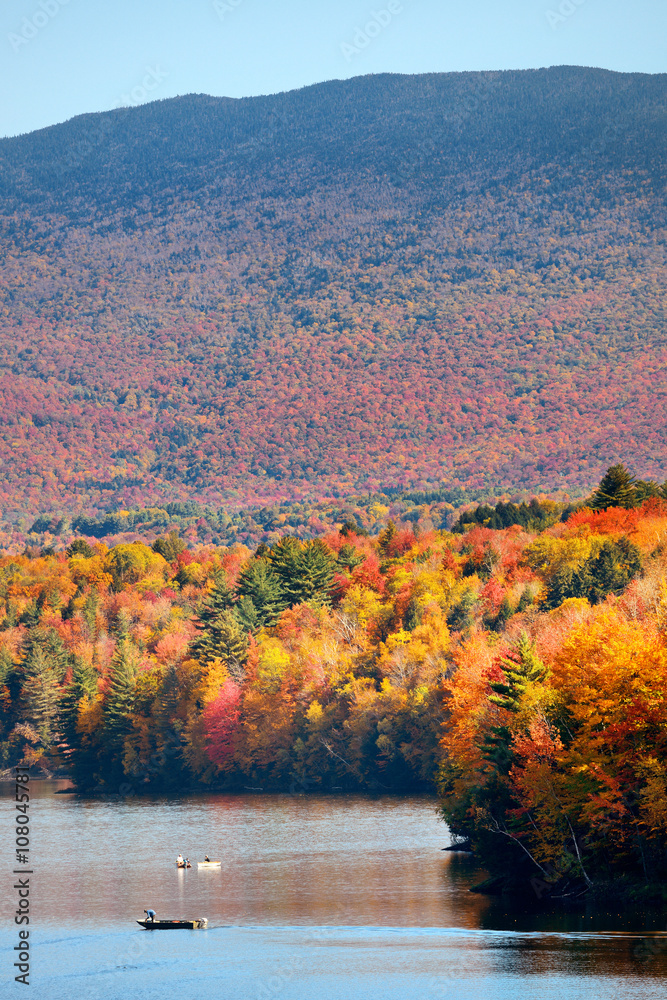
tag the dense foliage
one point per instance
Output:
(196, 523)
(556, 738)
(384, 282)
(369, 663)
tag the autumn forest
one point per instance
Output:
(332, 450)
(517, 663)
(446, 280)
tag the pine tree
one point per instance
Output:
(80, 758)
(524, 601)
(40, 694)
(44, 667)
(317, 567)
(89, 612)
(80, 547)
(218, 600)
(348, 557)
(260, 584)
(646, 489)
(6, 665)
(224, 639)
(616, 489)
(120, 697)
(505, 612)
(568, 582)
(306, 572)
(609, 571)
(522, 668)
(616, 564)
(247, 615)
(387, 536)
(286, 561)
(83, 685)
(169, 546)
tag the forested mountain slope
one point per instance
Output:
(388, 281)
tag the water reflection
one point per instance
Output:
(286, 860)
(347, 875)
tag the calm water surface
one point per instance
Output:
(322, 898)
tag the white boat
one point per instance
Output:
(209, 864)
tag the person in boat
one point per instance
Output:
(206, 857)
(179, 860)
(150, 915)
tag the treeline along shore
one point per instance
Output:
(517, 664)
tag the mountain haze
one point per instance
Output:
(449, 279)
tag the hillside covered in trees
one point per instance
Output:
(522, 668)
(383, 283)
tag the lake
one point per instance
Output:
(318, 898)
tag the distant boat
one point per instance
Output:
(183, 864)
(209, 864)
(173, 925)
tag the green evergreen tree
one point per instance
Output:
(82, 685)
(218, 600)
(79, 758)
(387, 536)
(6, 666)
(616, 489)
(413, 615)
(348, 557)
(521, 668)
(224, 637)
(646, 489)
(286, 561)
(317, 566)
(40, 693)
(461, 616)
(610, 572)
(169, 546)
(80, 547)
(260, 584)
(89, 611)
(568, 582)
(11, 677)
(505, 612)
(247, 615)
(119, 701)
(524, 601)
(33, 612)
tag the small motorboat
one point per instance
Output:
(173, 925)
(209, 864)
(183, 864)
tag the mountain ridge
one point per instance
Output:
(449, 279)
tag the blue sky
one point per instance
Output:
(60, 58)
